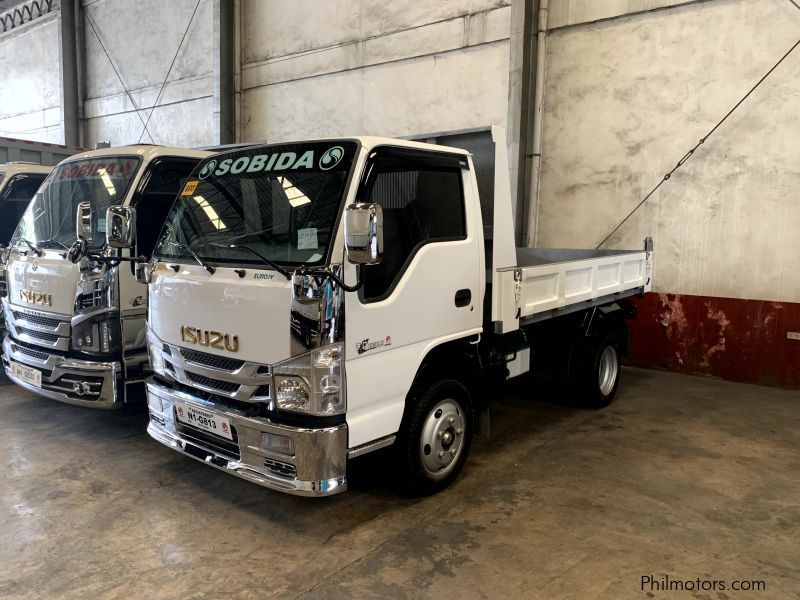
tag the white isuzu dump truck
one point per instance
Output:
(75, 313)
(311, 302)
(18, 183)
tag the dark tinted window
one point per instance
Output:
(156, 194)
(422, 200)
(14, 200)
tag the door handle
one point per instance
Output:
(463, 297)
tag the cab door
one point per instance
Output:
(427, 290)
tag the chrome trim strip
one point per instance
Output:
(105, 398)
(320, 455)
(371, 446)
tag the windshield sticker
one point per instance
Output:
(96, 169)
(278, 161)
(190, 187)
(331, 158)
(208, 169)
(307, 239)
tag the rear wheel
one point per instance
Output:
(435, 437)
(595, 372)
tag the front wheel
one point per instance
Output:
(434, 439)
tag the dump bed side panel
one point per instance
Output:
(529, 293)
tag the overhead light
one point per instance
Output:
(210, 213)
(295, 196)
(107, 182)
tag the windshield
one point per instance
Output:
(275, 203)
(49, 220)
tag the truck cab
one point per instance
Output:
(74, 311)
(18, 183)
(311, 302)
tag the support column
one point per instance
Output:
(69, 73)
(224, 123)
(522, 82)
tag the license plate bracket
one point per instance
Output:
(203, 419)
(26, 374)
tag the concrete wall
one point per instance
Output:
(141, 39)
(338, 67)
(627, 92)
(627, 97)
(30, 82)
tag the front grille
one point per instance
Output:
(37, 320)
(32, 353)
(214, 384)
(166, 349)
(212, 361)
(39, 335)
(280, 468)
(210, 441)
(262, 391)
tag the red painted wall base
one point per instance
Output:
(739, 340)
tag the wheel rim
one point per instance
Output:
(607, 371)
(442, 439)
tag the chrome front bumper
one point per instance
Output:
(317, 468)
(80, 382)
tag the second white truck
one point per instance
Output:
(75, 314)
(312, 302)
(18, 183)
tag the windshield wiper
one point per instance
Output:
(271, 263)
(37, 251)
(56, 242)
(200, 261)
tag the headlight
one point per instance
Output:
(98, 335)
(156, 351)
(312, 383)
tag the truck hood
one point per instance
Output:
(47, 283)
(254, 310)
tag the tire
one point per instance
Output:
(434, 438)
(595, 372)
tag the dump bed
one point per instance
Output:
(533, 284)
(548, 282)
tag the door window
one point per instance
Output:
(422, 198)
(14, 200)
(155, 196)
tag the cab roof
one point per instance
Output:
(15, 168)
(368, 142)
(146, 151)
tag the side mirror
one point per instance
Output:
(121, 227)
(363, 233)
(83, 222)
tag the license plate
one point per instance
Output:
(26, 374)
(203, 419)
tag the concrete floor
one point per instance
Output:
(683, 476)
